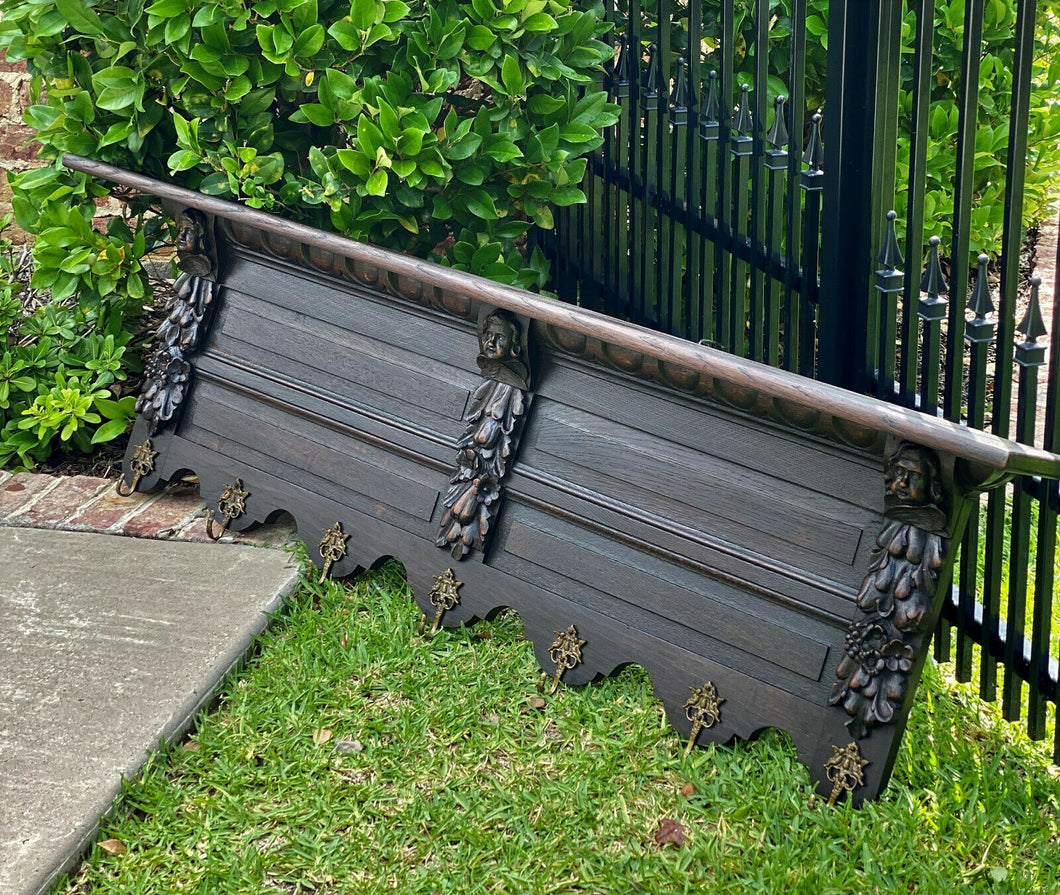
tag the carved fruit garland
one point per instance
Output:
(167, 372)
(896, 595)
(488, 443)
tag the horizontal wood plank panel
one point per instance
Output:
(807, 590)
(439, 338)
(407, 439)
(766, 510)
(345, 373)
(807, 461)
(701, 611)
(292, 442)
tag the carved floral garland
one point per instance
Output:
(896, 595)
(167, 372)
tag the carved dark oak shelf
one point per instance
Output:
(772, 550)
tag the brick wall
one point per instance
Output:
(14, 155)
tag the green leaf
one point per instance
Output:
(165, 9)
(365, 13)
(83, 18)
(566, 196)
(512, 76)
(480, 204)
(346, 35)
(41, 117)
(543, 218)
(575, 132)
(411, 141)
(117, 99)
(541, 21)
(464, 148)
(545, 104)
(377, 183)
(356, 161)
(395, 10)
(318, 114)
(309, 42)
(114, 410)
(182, 160)
(481, 38)
(109, 431)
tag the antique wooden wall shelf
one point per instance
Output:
(770, 549)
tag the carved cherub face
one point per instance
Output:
(912, 479)
(499, 339)
(907, 481)
(189, 235)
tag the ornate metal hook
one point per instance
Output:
(846, 770)
(231, 505)
(703, 709)
(141, 464)
(566, 652)
(332, 548)
(443, 595)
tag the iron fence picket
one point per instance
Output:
(676, 307)
(1040, 674)
(979, 333)
(1029, 356)
(932, 312)
(793, 324)
(710, 138)
(760, 95)
(741, 146)
(923, 72)
(723, 213)
(691, 284)
(967, 104)
(776, 162)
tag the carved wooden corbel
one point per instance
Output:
(487, 447)
(898, 595)
(167, 373)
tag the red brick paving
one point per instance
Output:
(165, 517)
(108, 509)
(60, 503)
(84, 503)
(20, 490)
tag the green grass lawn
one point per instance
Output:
(353, 756)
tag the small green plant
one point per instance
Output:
(59, 367)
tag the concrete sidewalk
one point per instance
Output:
(108, 644)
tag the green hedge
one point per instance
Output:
(426, 127)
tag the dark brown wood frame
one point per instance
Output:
(771, 549)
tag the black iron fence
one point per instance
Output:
(744, 199)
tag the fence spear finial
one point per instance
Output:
(711, 110)
(742, 122)
(623, 68)
(682, 94)
(933, 282)
(1032, 325)
(890, 257)
(1028, 352)
(652, 81)
(778, 133)
(814, 156)
(980, 302)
